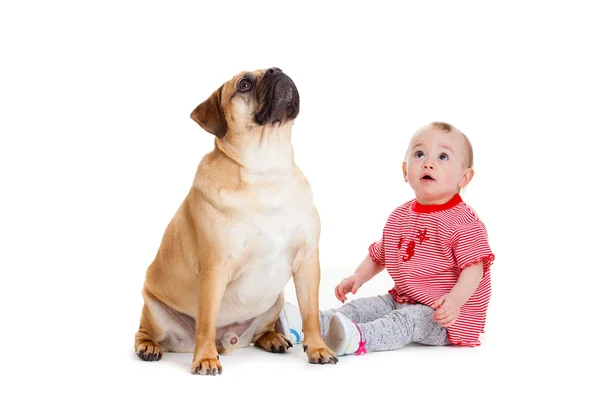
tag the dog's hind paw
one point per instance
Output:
(273, 342)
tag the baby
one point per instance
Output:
(436, 250)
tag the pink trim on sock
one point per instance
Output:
(361, 342)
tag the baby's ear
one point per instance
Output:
(466, 177)
(404, 171)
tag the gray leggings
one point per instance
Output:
(388, 325)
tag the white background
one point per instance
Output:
(97, 152)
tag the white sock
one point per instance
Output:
(343, 337)
(290, 323)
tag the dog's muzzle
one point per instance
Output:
(278, 97)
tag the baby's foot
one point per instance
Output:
(344, 336)
(289, 323)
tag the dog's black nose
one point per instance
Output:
(273, 70)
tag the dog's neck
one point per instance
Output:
(261, 150)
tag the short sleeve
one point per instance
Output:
(470, 246)
(376, 251)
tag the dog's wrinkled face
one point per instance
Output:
(249, 100)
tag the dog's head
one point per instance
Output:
(247, 101)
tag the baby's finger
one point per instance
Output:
(443, 311)
(338, 293)
(445, 320)
(438, 303)
(437, 318)
(343, 297)
(448, 324)
(443, 316)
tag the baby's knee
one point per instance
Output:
(422, 310)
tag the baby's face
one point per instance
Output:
(436, 165)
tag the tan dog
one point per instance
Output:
(245, 228)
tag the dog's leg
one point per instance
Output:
(212, 284)
(147, 337)
(264, 330)
(307, 278)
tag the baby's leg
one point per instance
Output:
(361, 310)
(409, 323)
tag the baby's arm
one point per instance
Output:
(365, 271)
(368, 269)
(468, 281)
(448, 306)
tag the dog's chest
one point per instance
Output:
(263, 246)
(265, 242)
(268, 231)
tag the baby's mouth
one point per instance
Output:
(427, 178)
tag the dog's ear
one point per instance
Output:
(209, 115)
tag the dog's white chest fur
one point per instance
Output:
(263, 242)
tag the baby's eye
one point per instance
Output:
(443, 157)
(419, 154)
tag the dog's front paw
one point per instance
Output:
(206, 366)
(320, 355)
(273, 342)
(147, 350)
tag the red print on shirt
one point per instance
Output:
(421, 236)
(410, 251)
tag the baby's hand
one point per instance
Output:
(347, 285)
(447, 310)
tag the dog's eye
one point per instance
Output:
(244, 85)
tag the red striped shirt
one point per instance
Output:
(425, 247)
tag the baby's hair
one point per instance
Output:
(446, 127)
(443, 126)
